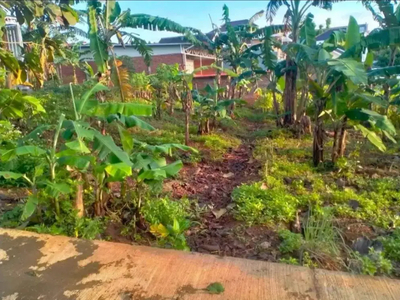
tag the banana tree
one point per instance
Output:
(294, 17)
(29, 12)
(108, 21)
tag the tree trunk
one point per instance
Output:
(318, 142)
(187, 126)
(290, 93)
(342, 138)
(335, 153)
(207, 129)
(75, 78)
(79, 205)
(279, 121)
(339, 142)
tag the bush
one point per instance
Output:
(373, 264)
(258, 205)
(168, 221)
(217, 144)
(391, 246)
(290, 241)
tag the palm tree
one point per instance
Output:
(296, 12)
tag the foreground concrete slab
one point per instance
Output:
(36, 266)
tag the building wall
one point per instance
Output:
(157, 50)
(129, 51)
(168, 59)
(67, 73)
(204, 62)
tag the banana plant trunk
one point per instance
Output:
(79, 205)
(279, 121)
(290, 93)
(339, 140)
(318, 141)
(342, 138)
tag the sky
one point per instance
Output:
(197, 14)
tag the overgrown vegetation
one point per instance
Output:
(148, 157)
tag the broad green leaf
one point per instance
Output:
(352, 69)
(369, 60)
(35, 134)
(78, 145)
(10, 175)
(118, 171)
(372, 137)
(130, 121)
(124, 109)
(371, 99)
(97, 45)
(126, 139)
(323, 55)
(2, 21)
(30, 207)
(159, 230)
(23, 150)
(389, 137)
(176, 228)
(157, 174)
(173, 169)
(386, 72)
(307, 31)
(353, 36)
(81, 129)
(81, 105)
(105, 146)
(57, 189)
(380, 121)
(78, 162)
(215, 288)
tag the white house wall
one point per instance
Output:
(129, 51)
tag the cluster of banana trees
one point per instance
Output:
(79, 151)
(346, 89)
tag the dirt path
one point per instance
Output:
(217, 231)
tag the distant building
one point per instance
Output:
(170, 50)
(13, 36)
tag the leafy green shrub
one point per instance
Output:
(374, 263)
(391, 246)
(256, 204)
(375, 207)
(289, 261)
(11, 218)
(165, 210)
(217, 144)
(168, 220)
(290, 241)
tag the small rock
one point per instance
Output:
(354, 204)
(228, 175)
(341, 183)
(239, 245)
(211, 248)
(265, 245)
(230, 206)
(307, 184)
(218, 213)
(287, 180)
(362, 245)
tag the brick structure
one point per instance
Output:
(168, 59)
